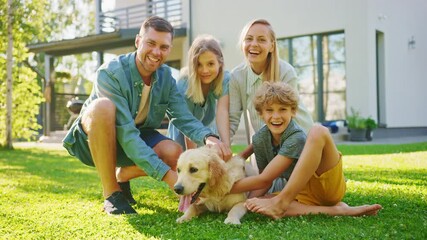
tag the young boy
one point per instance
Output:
(312, 165)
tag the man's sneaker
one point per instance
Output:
(125, 186)
(117, 204)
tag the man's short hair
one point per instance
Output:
(157, 23)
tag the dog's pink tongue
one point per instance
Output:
(184, 202)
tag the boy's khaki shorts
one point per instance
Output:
(327, 189)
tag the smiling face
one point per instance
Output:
(208, 67)
(257, 44)
(153, 47)
(276, 103)
(277, 117)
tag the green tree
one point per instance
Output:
(26, 96)
(72, 18)
(35, 21)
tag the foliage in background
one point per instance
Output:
(355, 121)
(68, 19)
(26, 95)
(73, 19)
(37, 21)
(371, 123)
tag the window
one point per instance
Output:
(319, 61)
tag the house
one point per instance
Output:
(366, 54)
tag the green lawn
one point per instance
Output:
(46, 194)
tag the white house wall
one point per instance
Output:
(406, 80)
(399, 20)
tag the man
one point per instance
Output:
(116, 127)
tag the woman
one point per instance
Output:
(205, 88)
(262, 63)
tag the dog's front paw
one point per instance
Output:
(231, 220)
(183, 219)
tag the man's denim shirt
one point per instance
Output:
(120, 81)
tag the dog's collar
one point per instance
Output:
(199, 190)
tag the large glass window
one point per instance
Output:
(319, 61)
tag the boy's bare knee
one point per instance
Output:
(317, 131)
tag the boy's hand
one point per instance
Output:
(247, 152)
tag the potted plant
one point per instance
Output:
(357, 126)
(371, 124)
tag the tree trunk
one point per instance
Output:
(9, 64)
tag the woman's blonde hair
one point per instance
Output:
(275, 92)
(202, 44)
(272, 70)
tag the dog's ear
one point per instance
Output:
(216, 171)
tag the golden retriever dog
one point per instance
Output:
(203, 174)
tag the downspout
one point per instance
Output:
(97, 16)
(190, 24)
(48, 66)
(98, 30)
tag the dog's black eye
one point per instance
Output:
(179, 170)
(193, 170)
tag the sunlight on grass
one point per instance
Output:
(50, 195)
(146, 211)
(415, 160)
(407, 169)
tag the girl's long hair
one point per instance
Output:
(200, 45)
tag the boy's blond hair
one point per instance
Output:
(275, 92)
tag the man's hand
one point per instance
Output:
(223, 149)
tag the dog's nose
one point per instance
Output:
(179, 189)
